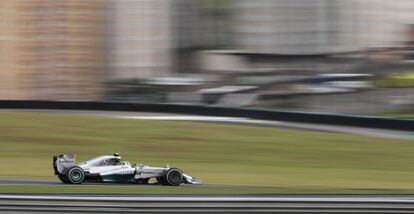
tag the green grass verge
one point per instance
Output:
(260, 160)
(402, 115)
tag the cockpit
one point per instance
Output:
(111, 162)
(107, 160)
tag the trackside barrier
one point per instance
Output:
(262, 114)
(206, 204)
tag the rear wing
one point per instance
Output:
(62, 162)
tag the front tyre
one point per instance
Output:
(174, 177)
(75, 175)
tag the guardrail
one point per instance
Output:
(263, 114)
(206, 204)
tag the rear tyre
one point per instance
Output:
(75, 175)
(174, 177)
(143, 181)
(63, 179)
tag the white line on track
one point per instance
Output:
(374, 199)
(314, 127)
(202, 118)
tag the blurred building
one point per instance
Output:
(52, 50)
(68, 49)
(200, 25)
(205, 24)
(140, 38)
(149, 38)
(373, 24)
(282, 26)
(320, 26)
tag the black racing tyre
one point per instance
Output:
(161, 181)
(63, 179)
(174, 177)
(143, 181)
(75, 175)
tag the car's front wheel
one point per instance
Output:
(75, 175)
(174, 177)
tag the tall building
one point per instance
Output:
(365, 24)
(140, 38)
(203, 24)
(320, 26)
(52, 50)
(283, 26)
(10, 86)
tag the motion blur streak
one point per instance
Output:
(208, 204)
(249, 121)
(353, 56)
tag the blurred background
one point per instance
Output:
(354, 56)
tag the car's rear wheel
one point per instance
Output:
(174, 177)
(142, 181)
(63, 179)
(75, 175)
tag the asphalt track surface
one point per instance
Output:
(24, 182)
(206, 204)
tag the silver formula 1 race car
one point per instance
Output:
(111, 168)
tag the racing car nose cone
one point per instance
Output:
(196, 181)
